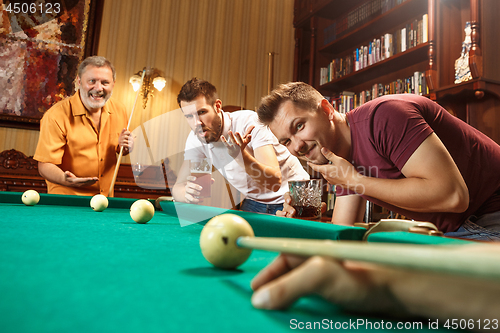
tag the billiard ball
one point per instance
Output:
(218, 241)
(99, 202)
(30, 197)
(142, 211)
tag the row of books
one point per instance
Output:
(388, 45)
(337, 68)
(348, 100)
(356, 17)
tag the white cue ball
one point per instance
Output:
(99, 202)
(218, 241)
(142, 211)
(30, 197)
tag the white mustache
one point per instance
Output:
(97, 93)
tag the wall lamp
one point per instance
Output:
(152, 78)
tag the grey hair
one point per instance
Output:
(96, 61)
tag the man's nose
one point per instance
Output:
(198, 121)
(298, 146)
(195, 122)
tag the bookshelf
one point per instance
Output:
(326, 30)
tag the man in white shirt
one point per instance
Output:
(244, 151)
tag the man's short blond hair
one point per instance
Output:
(300, 94)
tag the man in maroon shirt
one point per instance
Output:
(403, 152)
(408, 154)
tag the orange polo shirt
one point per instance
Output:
(69, 140)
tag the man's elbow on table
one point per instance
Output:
(457, 201)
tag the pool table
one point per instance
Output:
(66, 268)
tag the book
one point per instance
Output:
(365, 56)
(403, 39)
(387, 45)
(425, 28)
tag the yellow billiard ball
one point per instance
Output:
(99, 202)
(218, 241)
(142, 211)
(30, 197)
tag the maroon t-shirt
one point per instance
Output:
(386, 131)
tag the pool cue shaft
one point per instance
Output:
(478, 260)
(119, 159)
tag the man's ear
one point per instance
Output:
(327, 108)
(218, 105)
(77, 82)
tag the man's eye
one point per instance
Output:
(300, 126)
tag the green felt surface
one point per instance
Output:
(410, 238)
(66, 268)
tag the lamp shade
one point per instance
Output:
(136, 82)
(159, 83)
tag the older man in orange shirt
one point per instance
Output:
(80, 136)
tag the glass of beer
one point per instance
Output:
(202, 170)
(306, 198)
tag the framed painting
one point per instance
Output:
(41, 45)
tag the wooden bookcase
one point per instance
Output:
(476, 101)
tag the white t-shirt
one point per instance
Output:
(239, 121)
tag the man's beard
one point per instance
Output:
(90, 103)
(212, 134)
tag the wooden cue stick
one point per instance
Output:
(119, 160)
(468, 260)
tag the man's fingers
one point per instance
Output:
(288, 210)
(238, 138)
(191, 199)
(321, 168)
(249, 130)
(69, 174)
(328, 154)
(323, 207)
(279, 266)
(233, 138)
(284, 290)
(89, 181)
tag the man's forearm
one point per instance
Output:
(415, 194)
(52, 173)
(269, 177)
(179, 192)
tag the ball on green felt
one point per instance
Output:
(30, 197)
(99, 202)
(142, 211)
(218, 241)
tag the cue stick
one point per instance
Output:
(478, 260)
(118, 162)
